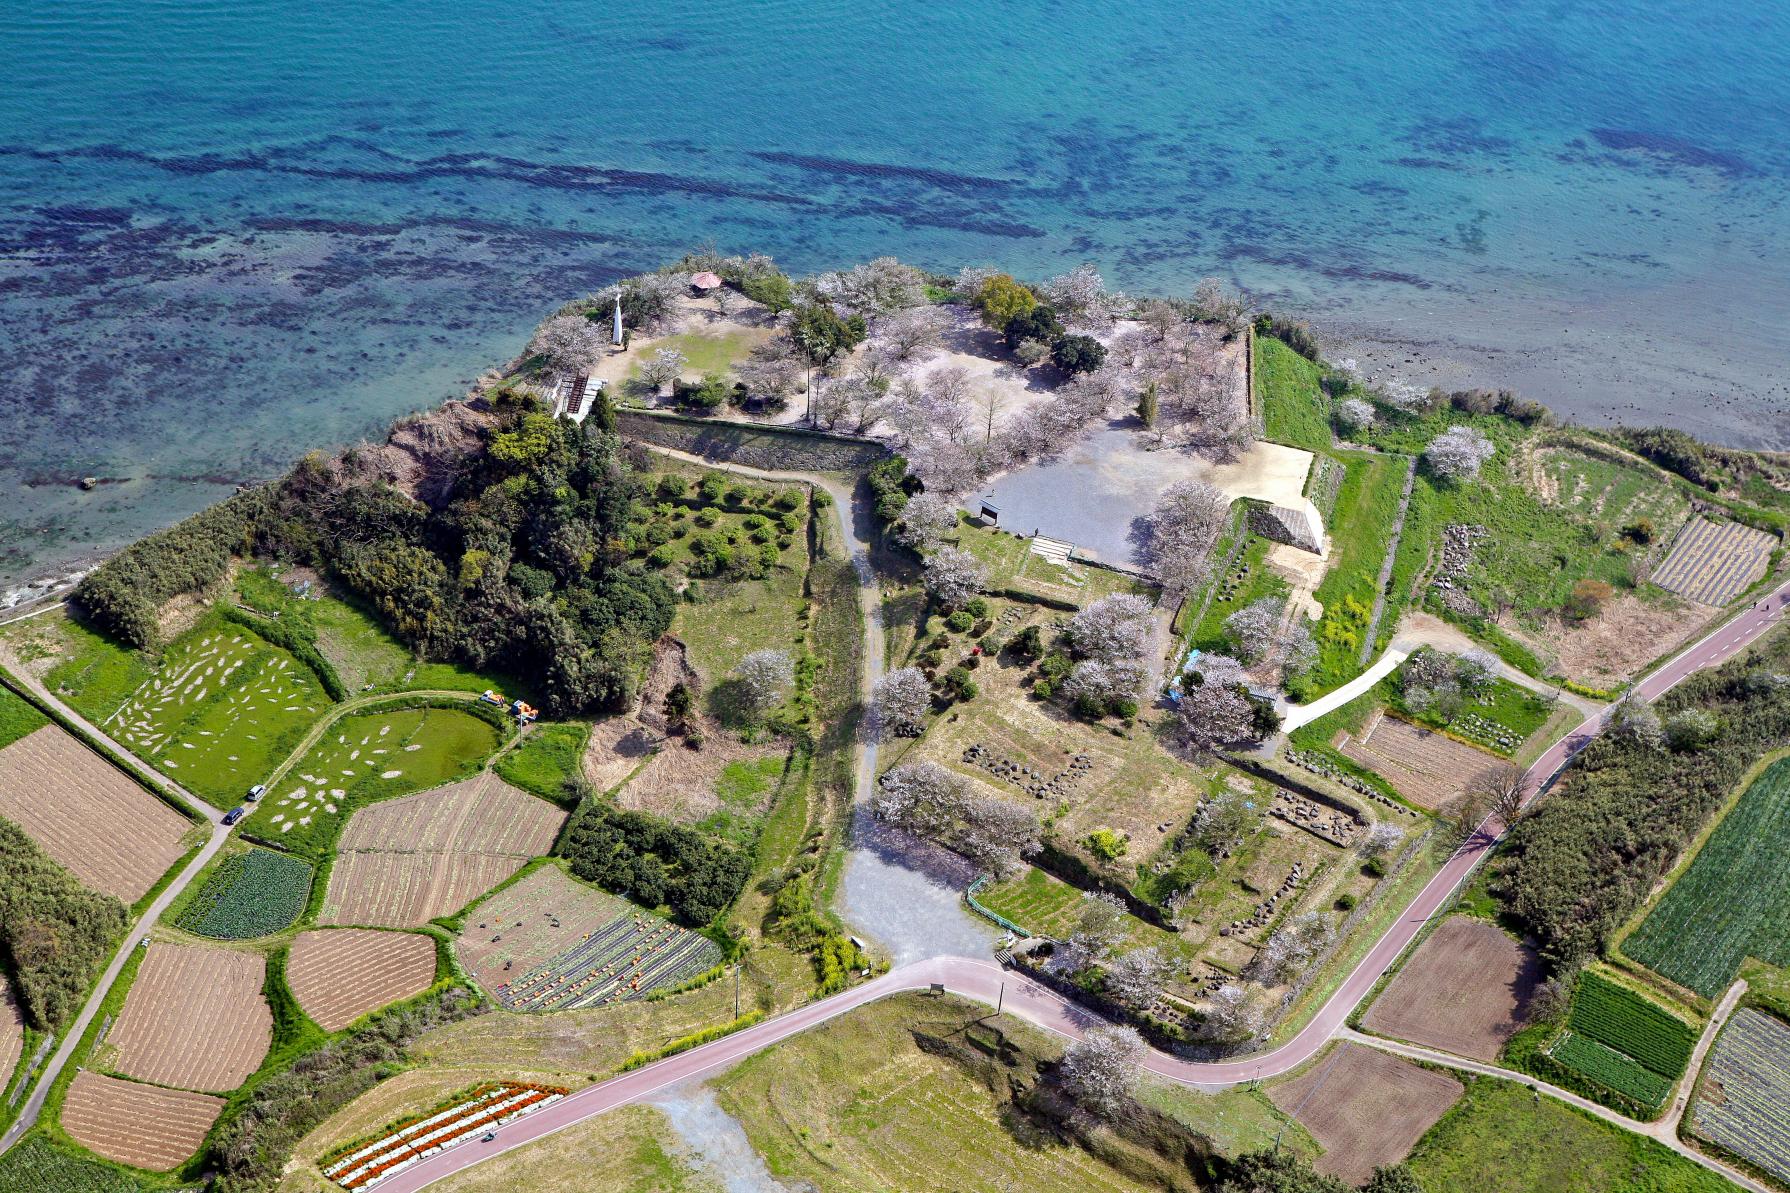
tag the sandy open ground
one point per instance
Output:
(1367, 1108)
(137, 1124)
(1463, 991)
(194, 1018)
(340, 975)
(88, 815)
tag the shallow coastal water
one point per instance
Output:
(229, 233)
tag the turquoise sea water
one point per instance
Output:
(230, 232)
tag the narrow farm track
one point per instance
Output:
(989, 983)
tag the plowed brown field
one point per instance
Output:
(530, 923)
(110, 833)
(1462, 991)
(194, 1018)
(12, 1032)
(1366, 1107)
(339, 976)
(405, 861)
(1427, 768)
(407, 890)
(142, 1125)
(478, 815)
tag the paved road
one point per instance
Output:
(986, 982)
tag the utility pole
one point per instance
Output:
(1001, 999)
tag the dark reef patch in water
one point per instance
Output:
(1676, 150)
(943, 179)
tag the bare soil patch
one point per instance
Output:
(617, 746)
(678, 783)
(89, 816)
(340, 975)
(141, 1125)
(1626, 636)
(1367, 1108)
(1428, 768)
(530, 923)
(1464, 991)
(407, 890)
(194, 1018)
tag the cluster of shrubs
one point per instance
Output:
(123, 594)
(1032, 330)
(891, 486)
(55, 934)
(793, 919)
(654, 862)
(743, 552)
(957, 683)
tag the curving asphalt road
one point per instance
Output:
(989, 983)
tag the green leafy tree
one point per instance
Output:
(1396, 1179)
(1001, 298)
(1038, 323)
(1078, 354)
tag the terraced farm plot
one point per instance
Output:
(1426, 767)
(1611, 1069)
(1624, 1041)
(221, 711)
(366, 757)
(194, 1018)
(551, 943)
(1714, 562)
(1604, 492)
(339, 975)
(88, 815)
(12, 1032)
(1464, 991)
(249, 894)
(1743, 1103)
(132, 1123)
(1366, 1107)
(406, 861)
(1732, 901)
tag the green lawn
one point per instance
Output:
(1042, 904)
(223, 709)
(1248, 580)
(367, 757)
(1236, 1120)
(730, 620)
(703, 353)
(1500, 1139)
(547, 758)
(742, 788)
(1294, 408)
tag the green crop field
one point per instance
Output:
(254, 893)
(1732, 901)
(1746, 1087)
(221, 711)
(1611, 1068)
(34, 1166)
(1630, 1022)
(1500, 1138)
(365, 757)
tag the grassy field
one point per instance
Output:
(1501, 1139)
(1294, 408)
(631, 1149)
(221, 711)
(96, 675)
(1360, 534)
(1013, 566)
(363, 652)
(733, 619)
(702, 353)
(18, 717)
(1236, 1120)
(856, 1105)
(547, 758)
(742, 788)
(1051, 907)
(1733, 901)
(1248, 580)
(366, 757)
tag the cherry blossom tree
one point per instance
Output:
(912, 335)
(1178, 536)
(925, 520)
(1458, 453)
(1355, 414)
(766, 677)
(1113, 629)
(899, 703)
(663, 368)
(1080, 297)
(570, 343)
(1100, 1070)
(1137, 977)
(952, 576)
(1233, 1016)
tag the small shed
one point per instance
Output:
(705, 281)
